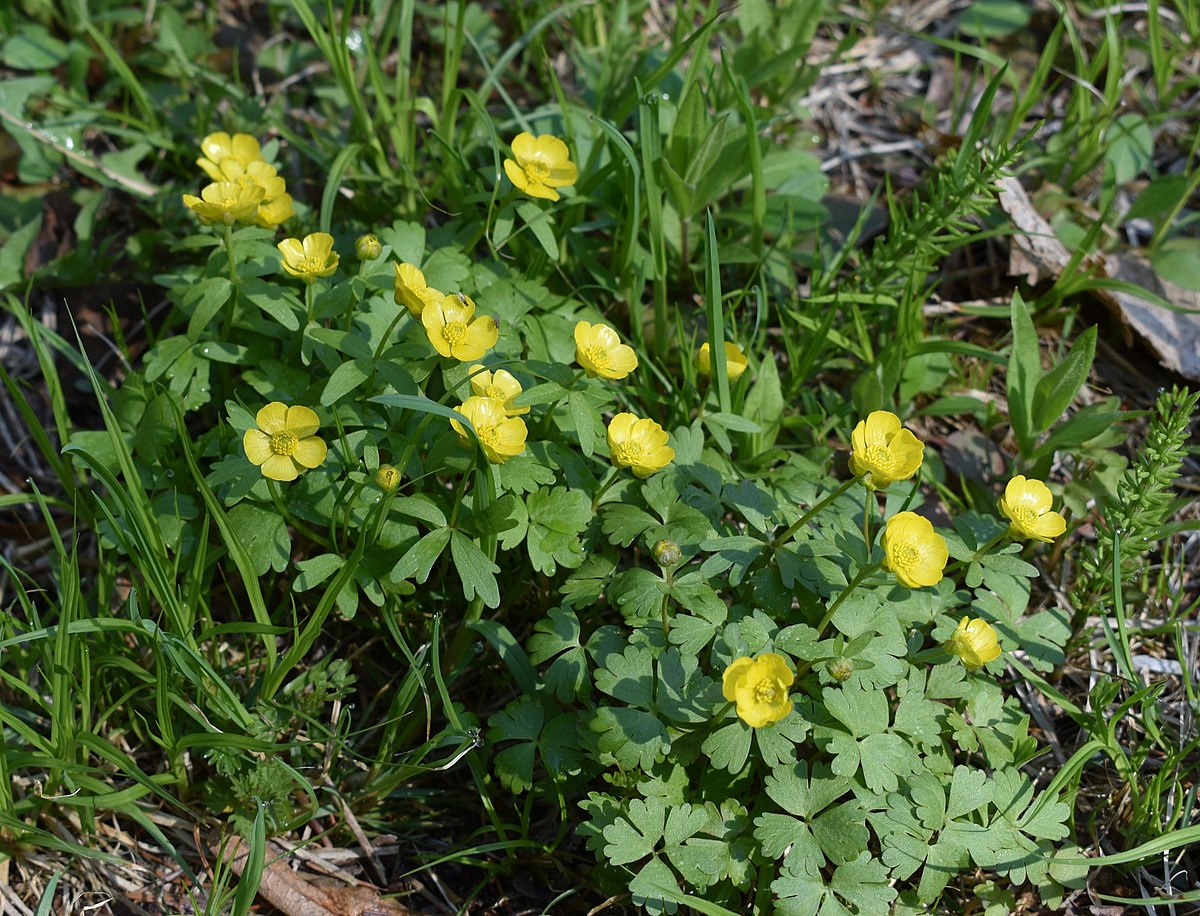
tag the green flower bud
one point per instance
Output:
(666, 553)
(367, 247)
(840, 669)
(387, 478)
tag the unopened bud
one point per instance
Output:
(666, 553)
(368, 247)
(387, 478)
(840, 669)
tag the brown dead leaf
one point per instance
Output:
(292, 894)
(1037, 254)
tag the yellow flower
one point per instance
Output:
(276, 205)
(411, 291)
(883, 451)
(219, 148)
(543, 164)
(913, 550)
(284, 445)
(502, 437)
(638, 444)
(1026, 502)
(600, 352)
(452, 328)
(759, 687)
(735, 360)
(225, 202)
(974, 641)
(500, 386)
(312, 258)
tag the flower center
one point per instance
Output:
(598, 356)
(309, 265)
(631, 452)
(906, 556)
(284, 443)
(537, 170)
(488, 435)
(1024, 516)
(496, 393)
(454, 332)
(765, 691)
(879, 456)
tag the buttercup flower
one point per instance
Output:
(974, 641)
(735, 360)
(219, 147)
(759, 686)
(638, 444)
(1026, 502)
(501, 437)
(500, 386)
(600, 352)
(284, 445)
(453, 329)
(312, 258)
(411, 291)
(225, 202)
(883, 451)
(913, 550)
(542, 164)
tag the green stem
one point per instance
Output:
(388, 333)
(867, 505)
(309, 301)
(804, 519)
(669, 576)
(960, 564)
(867, 570)
(612, 478)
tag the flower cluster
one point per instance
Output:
(244, 187)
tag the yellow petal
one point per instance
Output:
(280, 467)
(272, 419)
(293, 252)
(881, 425)
(257, 445)
(524, 146)
(310, 452)
(733, 674)
(302, 421)
(516, 175)
(318, 245)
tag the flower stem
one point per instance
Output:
(309, 300)
(959, 564)
(867, 570)
(387, 334)
(804, 519)
(669, 576)
(868, 504)
(612, 478)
